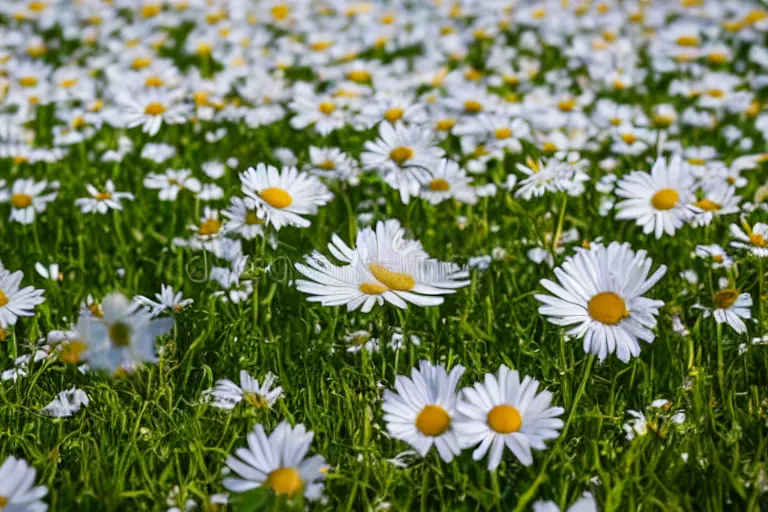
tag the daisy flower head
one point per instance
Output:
(730, 306)
(718, 198)
(544, 176)
(600, 293)
(326, 114)
(124, 335)
(66, 403)
(172, 182)
(751, 238)
(284, 195)
(584, 504)
(245, 217)
(422, 407)
(151, 109)
(226, 394)
(659, 201)
(278, 462)
(17, 487)
(332, 163)
(27, 199)
(166, 300)
(384, 267)
(403, 156)
(16, 301)
(102, 202)
(503, 411)
(449, 181)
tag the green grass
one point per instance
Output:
(148, 432)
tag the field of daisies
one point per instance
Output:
(353, 255)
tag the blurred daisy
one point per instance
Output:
(172, 182)
(27, 199)
(754, 239)
(124, 335)
(166, 300)
(15, 302)
(601, 291)
(715, 254)
(730, 307)
(448, 181)
(358, 341)
(17, 490)
(503, 411)
(102, 202)
(66, 403)
(661, 201)
(226, 394)
(245, 218)
(584, 504)
(151, 109)
(50, 272)
(284, 196)
(718, 199)
(278, 463)
(421, 409)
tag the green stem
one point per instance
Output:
(559, 230)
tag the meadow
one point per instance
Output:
(369, 256)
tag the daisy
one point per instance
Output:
(358, 341)
(16, 487)
(172, 182)
(124, 335)
(166, 300)
(715, 254)
(501, 411)
(754, 239)
(284, 195)
(383, 267)
(332, 163)
(601, 292)
(448, 181)
(543, 176)
(151, 109)
(210, 225)
(227, 394)
(245, 218)
(102, 202)
(421, 409)
(50, 272)
(278, 463)
(15, 302)
(730, 306)
(719, 198)
(659, 201)
(27, 199)
(66, 403)
(584, 504)
(324, 113)
(402, 155)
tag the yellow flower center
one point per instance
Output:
(629, 138)
(3, 299)
(154, 81)
(67, 83)
(204, 49)
(252, 218)
(387, 19)
(709, 206)
(21, 200)
(549, 147)
(154, 109)
(141, 62)
(665, 199)
(120, 334)
(369, 288)
(360, 76)
(607, 308)
(326, 108)
(473, 106)
(433, 420)
(505, 419)
(439, 185)
(327, 165)
(256, 400)
(567, 105)
(502, 133)
(3, 501)
(320, 46)
(103, 196)
(718, 57)
(72, 352)
(445, 125)
(724, 299)
(284, 481)
(37, 6)
(716, 93)
(150, 10)
(276, 197)
(394, 114)
(663, 120)
(758, 240)
(397, 281)
(688, 40)
(280, 12)
(210, 227)
(28, 81)
(539, 13)
(401, 154)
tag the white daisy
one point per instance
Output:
(27, 199)
(715, 254)
(245, 218)
(601, 291)
(332, 163)
(166, 300)
(324, 113)
(172, 182)
(543, 176)
(501, 411)
(102, 202)
(449, 181)
(151, 109)
(753, 238)
(15, 302)
(124, 335)
(403, 156)
(278, 463)
(383, 267)
(226, 394)
(67, 403)
(421, 410)
(17, 490)
(51, 272)
(719, 198)
(661, 201)
(730, 307)
(284, 195)
(584, 504)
